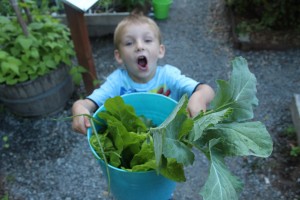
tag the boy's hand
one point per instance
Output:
(81, 107)
(199, 100)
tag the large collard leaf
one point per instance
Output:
(221, 184)
(242, 139)
(219, 136)
(159, 132)
(206, 121)
(239, 93)
(158, 135)
(173, 171)
(180, 151)
(125, 113)
(166, 136)
(175, 121)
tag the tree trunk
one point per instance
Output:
(15, 6)
(28, 13)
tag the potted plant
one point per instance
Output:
(125, 146)
(35, 62)
(103, 17)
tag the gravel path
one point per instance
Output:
(47, 160)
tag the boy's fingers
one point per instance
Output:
(87, 122)
(192, 114)
(80, 124)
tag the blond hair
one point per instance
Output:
(135, 19)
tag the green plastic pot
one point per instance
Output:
(161, 8)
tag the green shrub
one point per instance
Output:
(269, 14)
(5, 8)
(25, 57)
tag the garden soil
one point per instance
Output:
(44, 159)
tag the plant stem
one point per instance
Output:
(28, 13)
(102, 151)
(15, 6)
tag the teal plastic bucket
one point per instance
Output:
(161, 8)
(148, 185)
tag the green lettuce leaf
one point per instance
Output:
(145, 154)
(125, 113)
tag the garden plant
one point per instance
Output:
(33, 47)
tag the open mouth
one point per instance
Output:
(142, 62)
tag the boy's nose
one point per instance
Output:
(139, 46)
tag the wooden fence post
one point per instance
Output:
(79, 34)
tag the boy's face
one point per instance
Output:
(139, 51)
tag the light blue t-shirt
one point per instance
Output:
(168, 81)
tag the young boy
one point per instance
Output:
(138, 46)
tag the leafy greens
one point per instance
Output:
(221, 131)
(125, 141)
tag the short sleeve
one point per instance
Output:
(107, 90)
(179, 83)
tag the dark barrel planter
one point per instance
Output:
(44, 95)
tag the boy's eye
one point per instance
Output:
(128, 43)
(148, 40)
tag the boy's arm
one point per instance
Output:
(82, 106)
(200, 99)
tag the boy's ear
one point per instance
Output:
(118, 56)
(162, 51)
